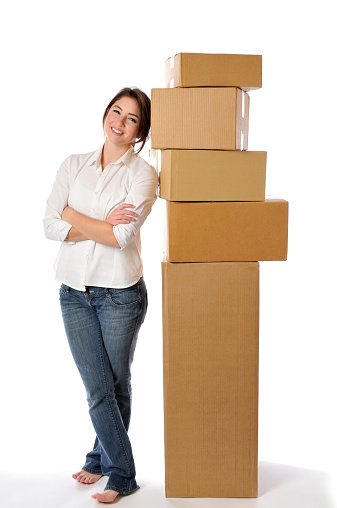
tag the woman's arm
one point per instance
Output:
(142, 194)
(84, 228)
(74, 236)
(92, 229)
(55, 228)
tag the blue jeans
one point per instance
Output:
(102, 326)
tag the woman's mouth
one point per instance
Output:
(116, 131)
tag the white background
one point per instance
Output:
(62, 62)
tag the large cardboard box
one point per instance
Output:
(212, 175)
(210, 332)
(199, 118)
(226, 231)
(199, 69)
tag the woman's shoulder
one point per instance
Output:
(138, 164)
(86, 157)
(78, 160)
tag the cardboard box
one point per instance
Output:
(199, 118)
(210, 351)
(226, 231)
(199, 69)
(212, 175)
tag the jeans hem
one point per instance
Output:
(123, 492)
(92, 471)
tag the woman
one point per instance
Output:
(96, 208)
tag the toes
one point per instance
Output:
(108, 496)
(86, 478)
(80, 477)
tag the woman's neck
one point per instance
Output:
(112, 153)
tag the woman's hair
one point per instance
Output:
(144, 104)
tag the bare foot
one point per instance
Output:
(85, 477)
(108, 496)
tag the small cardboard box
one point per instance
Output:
(199, 118)
(212, 175)
(226, 231)
(211, 353)
(199, 69)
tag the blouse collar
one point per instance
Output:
(127, 158)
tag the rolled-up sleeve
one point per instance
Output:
(54, 227)
(142, 194)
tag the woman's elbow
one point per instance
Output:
(49, 232)
(124, 235)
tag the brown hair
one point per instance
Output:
(144, 104)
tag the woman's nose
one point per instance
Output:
(122, 120)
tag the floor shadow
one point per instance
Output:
(277, 476)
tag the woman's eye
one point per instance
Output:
(133, 120)
(116, 111)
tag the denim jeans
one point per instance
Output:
(102, 326)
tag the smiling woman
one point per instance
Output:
(96, 208)
(143, 117)
(122, 124)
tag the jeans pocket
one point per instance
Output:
(125, 297)
(63, 290)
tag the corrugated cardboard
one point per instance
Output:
(212, 175)
(226, 231)
(199, 69)
(210, 332)
(199, 118)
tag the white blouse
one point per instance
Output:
(81, 184)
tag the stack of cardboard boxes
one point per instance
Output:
(218, 227)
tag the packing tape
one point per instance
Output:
(155, 158)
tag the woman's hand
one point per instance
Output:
(122, 215)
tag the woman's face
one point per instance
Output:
(122, 122)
